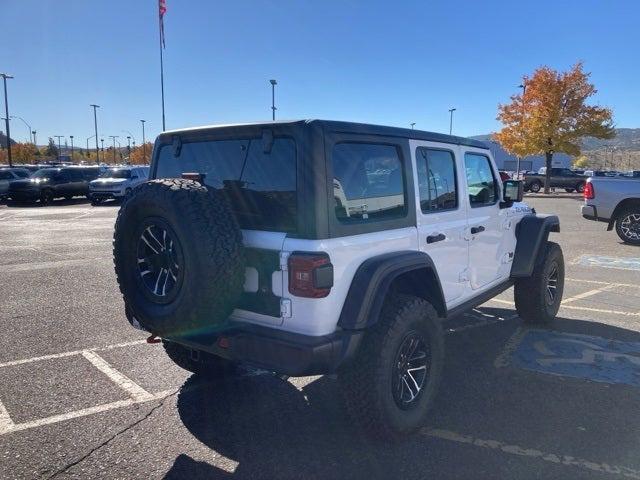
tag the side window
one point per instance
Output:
(368, 182)
(6, 176)
(436, 180)
(481, 182)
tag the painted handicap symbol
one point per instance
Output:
(580, 356)
(590, 354)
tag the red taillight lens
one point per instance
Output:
(589, 192)
(310, 275)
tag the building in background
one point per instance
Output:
(508, 162)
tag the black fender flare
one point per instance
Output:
(532, 233)
(373, 279)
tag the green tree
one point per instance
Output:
(52, 149)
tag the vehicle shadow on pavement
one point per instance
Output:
(265, 427)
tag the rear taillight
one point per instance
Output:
(589, 192)
(310, 275)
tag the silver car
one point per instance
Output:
(116, 182)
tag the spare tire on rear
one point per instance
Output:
(178, 257)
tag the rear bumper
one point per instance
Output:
(590, 212)
(283, 352)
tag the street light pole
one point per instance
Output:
(26, 124)
(95, 126)
(59, 137)
(413, 124)
(128, 149)
(523, 86)
(6, 116)
(102, 142)
(34, 138)
(144, 143)
(451, 110)
(273, 99)
(71, 137)
(113, 137)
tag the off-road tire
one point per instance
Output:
(207, 236)
(200, 363)
(531, 294)
(366, 382)
(580, 187)
(95, 202)
(619, 225)
(535, 187)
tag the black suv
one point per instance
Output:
(51, 183)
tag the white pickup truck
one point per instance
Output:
(617, 202)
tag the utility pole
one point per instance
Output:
(71, 137)
(59, 137)
(451, 110)
(144, 143)
(6, 116)
(113, 137)
(273, 99)
(95, 126)
(523, 86)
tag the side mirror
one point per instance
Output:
(512, 191)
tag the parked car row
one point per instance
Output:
(97, 183)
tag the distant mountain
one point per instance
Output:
(625, 139)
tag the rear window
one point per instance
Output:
(368, 183)
(261, 187)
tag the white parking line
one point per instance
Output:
(6, 423)
(71, 353)
(557, 458)
(84, 412)
(573, 307)
(132, 388)
(598, 282)
(580, 296)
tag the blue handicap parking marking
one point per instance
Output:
(579, 356)
(624, 263)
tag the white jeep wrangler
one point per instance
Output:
(317, 247)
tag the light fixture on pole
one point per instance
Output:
(413, 124)
(71, 137)
(451, 110)
(273, 99)
(26, 124)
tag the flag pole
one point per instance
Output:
(161, 36)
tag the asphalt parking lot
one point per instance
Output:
(83, 396)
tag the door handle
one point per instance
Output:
(477, 229)
(436, 238)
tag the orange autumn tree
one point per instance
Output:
(552, 115)
(140, 155)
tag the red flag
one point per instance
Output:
(162, 9)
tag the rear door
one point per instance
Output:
(441, 213)
(484, 229)
(260, 183)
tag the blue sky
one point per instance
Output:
(390, 63)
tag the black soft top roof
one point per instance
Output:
(348, 127)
